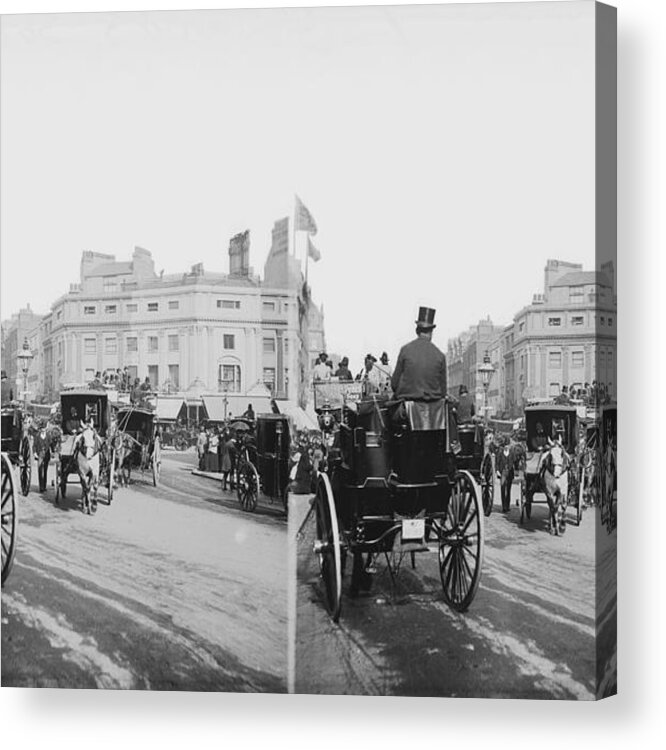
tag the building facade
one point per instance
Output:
(15, 331)
(218, 332)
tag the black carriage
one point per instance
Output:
(608, 469)
(8, 516)
(142, 427)
(79, 406)
(263, 460)
(393, 487)
(475, 457)
(16, 444)
(543, 424)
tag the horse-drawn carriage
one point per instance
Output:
(551, 467)
(8, 516)
(263, 460)
(392, 487)
(138, 443)
(83, 450)
(608, 469)
(16, 444)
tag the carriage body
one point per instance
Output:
(76, 406)
(554, 419)
(264, 459)
(391, 488)
(142, 427)
(16, 444)
(475, 456)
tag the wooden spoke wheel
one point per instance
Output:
(487, 480)
(327, 546)
(25, 466)
(247, 488)
(8, 518)
(156, 462)
(285, 499)
(461, 540)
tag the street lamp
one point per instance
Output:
(486, 371)
(24, 358)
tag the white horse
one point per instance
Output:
(88, 446)
(554, 475)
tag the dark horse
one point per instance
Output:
(124, 445)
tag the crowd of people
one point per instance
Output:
(375, 374)
(591, 394)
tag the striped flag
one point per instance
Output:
(303, 218)
(313, 252)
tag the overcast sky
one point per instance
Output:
(445, 151)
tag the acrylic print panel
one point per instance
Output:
(223, 197)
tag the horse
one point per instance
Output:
(554, 483)
(124, 445)
(87, 449)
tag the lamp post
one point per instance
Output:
(24, 358)
(486, 371)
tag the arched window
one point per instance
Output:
(229, 377)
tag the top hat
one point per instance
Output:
(344, 361)
(426, 318)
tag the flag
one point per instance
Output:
(304, 220)
(313, 252)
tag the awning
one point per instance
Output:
(168, 409)
(301, 419)
(236, 405)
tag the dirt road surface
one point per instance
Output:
(168, 588)
(529, 633)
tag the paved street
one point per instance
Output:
(169, 588)
(528, 633)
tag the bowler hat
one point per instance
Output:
(426, 318)
(370, 356)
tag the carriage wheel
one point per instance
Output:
(487, 478)
(8, 518)
(327, 546)
(461, 539)
(285, 499)
(247, 487)
(112, 471)
(25, 466)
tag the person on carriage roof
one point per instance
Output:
(465, 406)
(420, 371)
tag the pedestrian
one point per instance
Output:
(370, 376)
(249, 412)
(465, 406)
(232, 451)
(343, 372)
(202, 445)
(211, 452)
(321, 370)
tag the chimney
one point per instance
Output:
(239, 254)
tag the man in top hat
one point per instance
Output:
(321, 370)
(465, 406)
(343, 372)
(420, 372)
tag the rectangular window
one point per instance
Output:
(174, 304)
(90, 346)
(521, 327)
(59, 315)
(229, 341)
(132, 307)
(268, 307)
(554, 321)
(110, 285)
(174, 377)
(577, 320)
(89, 374)
(610, 321)
(173, 342)
(89, 309)
(111, 345)
(229, 304)
(554, 389)
(269, 378)
(577, 359)
(269, 345)
(110, 309)
(132, 344)
(133, 372)
(153, 376)
(602, 320)
(153, 344)
(285, 346)
(576, 295)
(229, 380)
(153, 306)
(555, 359)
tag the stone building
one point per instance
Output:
(227, 333)
(15, 331)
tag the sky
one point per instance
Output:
(446, 152)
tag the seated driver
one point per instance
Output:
(73, 423)
(540, 439)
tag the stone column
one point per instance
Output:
(279, 366)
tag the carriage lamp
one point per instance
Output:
(486, 371)
(24, 358)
